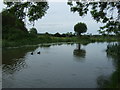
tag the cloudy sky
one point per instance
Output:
(60, 19)
(1, 5)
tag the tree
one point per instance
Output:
(32, 10)
(33, 31)
(57, 34)
(16, 23)
(80, 28)
(12, 27)
(105, 12)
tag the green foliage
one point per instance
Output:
(9, 20)
(57, 34)
(30, 39)
(111, 27)
(33, 10)
(12, 27)
(33, 31)
(13, 16)
(113, 51)
(101, 12)
(80, 28)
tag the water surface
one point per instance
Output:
(57, 66)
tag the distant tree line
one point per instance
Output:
(68, 34)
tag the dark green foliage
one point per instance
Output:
(30, 39)
(47, 34)
(9, 20)
(13, 16)
(12, 27)
(111, 27)
(105, 12)
(113, 51)
(33, 10)
(68, 34)
(33, 31)
(57, 34)
(80, 28)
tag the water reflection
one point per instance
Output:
(79, 53)
(14, 59)
(112, 81)
(59, 61)
(45, 45)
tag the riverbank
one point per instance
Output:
(51, 39)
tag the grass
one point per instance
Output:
(51, 39)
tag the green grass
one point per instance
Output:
(105, 38)
(50, 39)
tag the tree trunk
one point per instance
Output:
(78, 34)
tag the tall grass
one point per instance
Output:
(33, 40)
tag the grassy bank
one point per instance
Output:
(51, 39)
(38, 40)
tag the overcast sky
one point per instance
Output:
(1, 5)
(60, 19)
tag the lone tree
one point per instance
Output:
(80, 28)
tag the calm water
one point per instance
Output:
(57, 66)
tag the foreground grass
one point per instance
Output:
(51, 39)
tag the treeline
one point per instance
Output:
(68, 34)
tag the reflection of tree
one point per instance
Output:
(102, 81)
(78, 52)
(113, 51)
(14, 59)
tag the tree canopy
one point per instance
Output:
(105, 12)
(9, 20)
(14, 15)
(12, 27)
(80, 28)
(32, 10)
